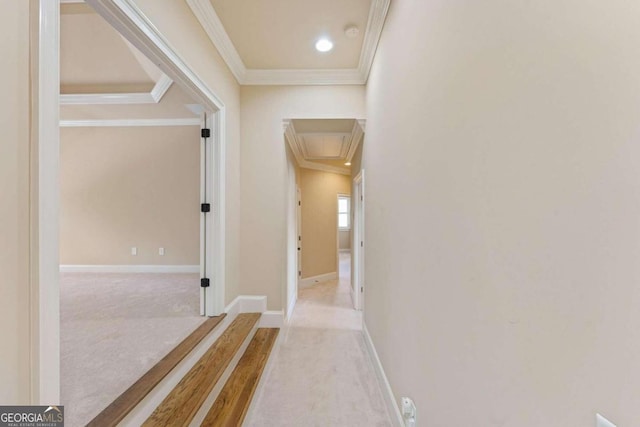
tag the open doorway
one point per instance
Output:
(139, 31)
(136, 167)
(320, 154)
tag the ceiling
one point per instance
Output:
(272, 42)
(108, 79)
(281, 34)
(324, 144)
(107, 64)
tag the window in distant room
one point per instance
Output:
(344, 203)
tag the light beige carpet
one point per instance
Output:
(321, 374)
(114, 327)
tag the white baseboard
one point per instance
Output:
(389, 399)
(247, 304)
(272, 319)
(130, 269)
(305, 283)
(292, 305)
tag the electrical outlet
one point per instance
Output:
(603, 422)
(161, 251)
(134, 250)
(409, 412)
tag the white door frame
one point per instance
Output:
(298, 242)
(128, 20)
(348, 196)
(291, 289)
(358, 248)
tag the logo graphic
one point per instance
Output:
(31, 416)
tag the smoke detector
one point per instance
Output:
(351, 31)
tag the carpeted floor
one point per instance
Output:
(321, 373)
(114, 327)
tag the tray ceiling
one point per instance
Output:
(324, 144)
(272, 42)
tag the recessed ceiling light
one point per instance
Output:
(348, 164)
(324, 45)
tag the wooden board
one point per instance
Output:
(182, 404)
(119, 408)
(232, 404)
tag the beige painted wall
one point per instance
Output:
(344, 239)
(512, 266)
(125, 187)
(177, 23)
(320, 220)
(14, 206)
(264, 175)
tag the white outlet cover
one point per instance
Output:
(603, 422)
(160, 251)
(134, 250)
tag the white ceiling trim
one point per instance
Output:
(356, 137)
(303, 77)
(298, 150)
(208, 18)
(155, 96)
(344, 136)
(377, 16)
(130, 123)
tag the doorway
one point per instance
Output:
(140, 32)
(357, 287)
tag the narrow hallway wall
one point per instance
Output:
(502, 202)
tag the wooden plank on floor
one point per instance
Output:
(182, 404)
(232, 404)
(119, 408)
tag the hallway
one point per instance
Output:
(321, 374)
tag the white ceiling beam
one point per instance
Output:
(130, 122)
(159, 90)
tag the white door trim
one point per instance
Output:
(45, 161)
(131, 22)
(357, 263)
(128, 20)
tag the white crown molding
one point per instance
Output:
(325, 168)
(129, 268)
(155, 96)
(296, 148)
(303, 77)
(356, 137)
(161, 87)
(130, 122)
(346, 137)
(375, 24)
(208, 18)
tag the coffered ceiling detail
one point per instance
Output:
(272, 43)
(324, 144)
